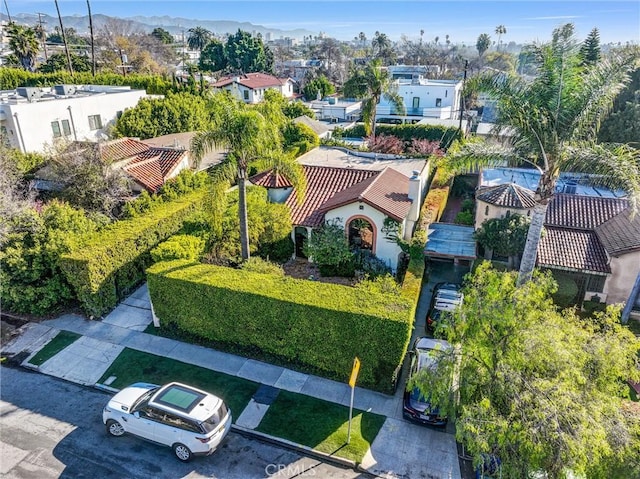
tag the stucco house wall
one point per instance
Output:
(384, 249)
(624, 270)
(486, 211)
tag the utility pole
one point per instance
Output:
(8, 14)
(43, 37)
(93, 52)
(64, 40)
(123, 59)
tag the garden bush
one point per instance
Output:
(408, 133)
(318, 327)
(179, 247)
(112, 261)
(259, 265)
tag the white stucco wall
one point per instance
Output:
(384, 249)
(428, 94)
(29, 128)
(624, 270)
(257, 95)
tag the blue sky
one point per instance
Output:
(463, 21)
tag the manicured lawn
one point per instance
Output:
(321, 425)
(53, 347)
(133, 366)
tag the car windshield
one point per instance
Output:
(214, 421)
(143, 400)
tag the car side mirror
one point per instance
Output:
(136, 414)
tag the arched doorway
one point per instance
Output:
(362, 234)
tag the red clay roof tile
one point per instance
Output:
(573, 249)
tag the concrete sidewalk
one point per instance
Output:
(401, 449)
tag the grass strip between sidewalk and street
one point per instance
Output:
(53, 347)
(133, 366)
(321, 425)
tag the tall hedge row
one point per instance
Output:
(112, 261)
(317, 326)
(445, 135)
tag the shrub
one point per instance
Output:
(329, 248)
(464, 218)
(408, 133)
(113, 260)
(179, 247)
(259, 265)
(279, 251)
(315, 326)
(385, 144)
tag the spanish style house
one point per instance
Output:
(589, 234)
(250, 87)
(63, 113)
(366, 202)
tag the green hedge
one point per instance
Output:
(112, 261)
(316, 326)
(445, 135)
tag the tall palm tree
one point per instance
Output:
(198, 38)
(500, 30)
(252, 138)
(23, 42)
(554, 120)
(371, 84)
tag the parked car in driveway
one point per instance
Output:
(190, 421)
(446, 297)
(417, 405)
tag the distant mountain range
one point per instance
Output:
(173, 25)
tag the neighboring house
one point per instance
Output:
(335, 110)
(297, 69)
(318, 127)
(367, 202)
(593, 238)
(183, 141)
(62, 113)
(148, 167)
(423, 98)
(250, 87)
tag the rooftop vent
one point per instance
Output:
(570, 187)
(64, 89)
(30, 93)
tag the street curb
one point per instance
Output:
(105, 388)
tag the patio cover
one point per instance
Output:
(445, 240)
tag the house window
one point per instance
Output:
(55, 127)
(596, 283)
(246, 94)
(438, 102)
(416, 102)
(95, 122)
(486, 210)
(445, 93)
(66, 128)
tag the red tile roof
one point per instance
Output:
(572, 249)
(322, 183)
(269, 179)
(582, 212)
(153, 167)
(120, 149)
(508, 195)
(387, 192)
(620, 234)
(252, 80)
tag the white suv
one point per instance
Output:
(190, 421)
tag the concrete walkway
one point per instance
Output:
(401, 449)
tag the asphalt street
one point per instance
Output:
(50, 428)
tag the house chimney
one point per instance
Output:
(415, 195)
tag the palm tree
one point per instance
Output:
(500, 30)
(23, 42)
(252, 138)
(483, 43)
(371, 84)
(198, 38)
(554, 120)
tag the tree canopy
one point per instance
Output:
(242, 53)
(58, 62)
(542, 390)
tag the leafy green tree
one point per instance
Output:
(29, 259)
(290, 109)
(212, 57)
(247, 54)
(590, 49)
(72, 37)
(300, 137)
(505, 236)
(540, 389)
(251, 139)
(483, 43)
(58, 62)
(198, 38)
(176, 113)
(162, 35)
(555, 119)
(319, 85)
(370, 84)
(23, 43)
(623, 123)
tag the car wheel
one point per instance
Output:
(114, 428)
(182, 452)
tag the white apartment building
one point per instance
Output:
(33, 119)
